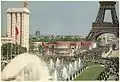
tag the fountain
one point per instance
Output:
(64, 73)
(55, 76)
(79, 63)
(51, 64)
(67, 66)
(25, 67)
(70, 69)
(57, 62)
(75, 66)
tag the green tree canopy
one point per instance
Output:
(40, 48)
(10, 49)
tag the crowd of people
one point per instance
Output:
(111, 71)
(93, 55)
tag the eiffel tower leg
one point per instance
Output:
(99, 26)
(90, 36)
(114, 15)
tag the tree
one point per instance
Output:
(10, 50)
(31, 48)
(67, 38)
(40, 48)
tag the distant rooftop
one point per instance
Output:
(15, 10)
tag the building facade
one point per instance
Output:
(18, 17)
(37, 33)
(69, 47)
(63, 47)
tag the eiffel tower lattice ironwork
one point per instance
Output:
(99, 26)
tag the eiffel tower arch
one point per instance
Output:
(100, 27)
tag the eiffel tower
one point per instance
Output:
(100, 27)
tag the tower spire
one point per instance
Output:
(25, 4)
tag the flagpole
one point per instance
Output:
(11, 51)
(15, 41)
(16, 33)
(7, 52)
(15, 44)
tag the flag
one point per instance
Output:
(16, 29)
(44, 45)
(16, 33)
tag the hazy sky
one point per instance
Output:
(57, 17)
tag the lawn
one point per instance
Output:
(90, 73)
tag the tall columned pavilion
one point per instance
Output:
(18, 17)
